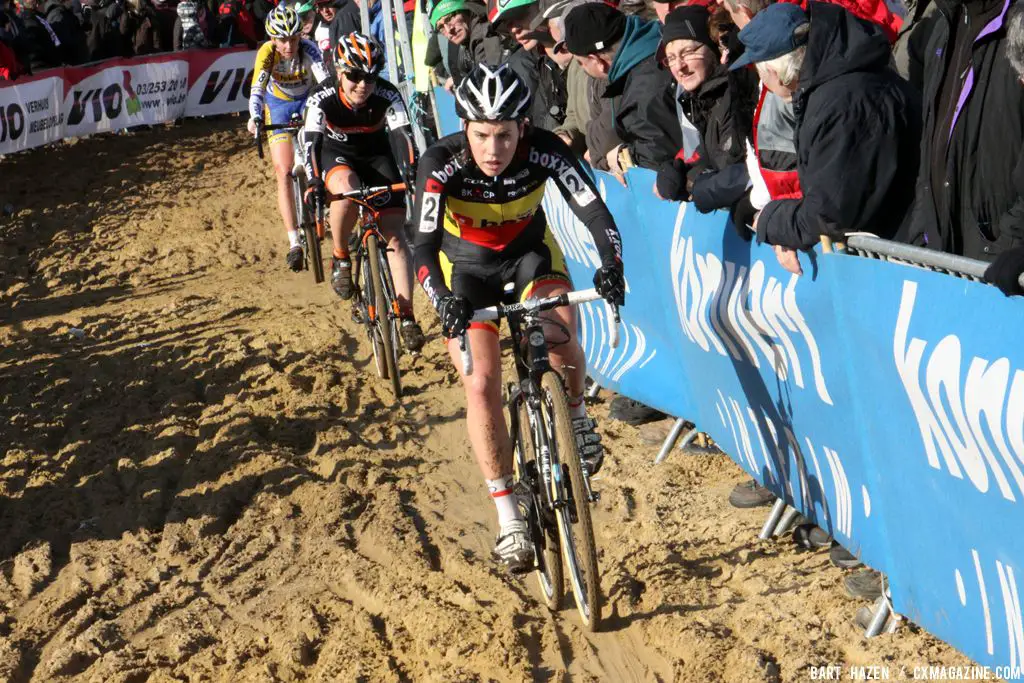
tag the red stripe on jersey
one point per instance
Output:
(495, 237)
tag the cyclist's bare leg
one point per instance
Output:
(392, 221)
(485, 419)
(282, 155)
(568, 359)
(343, 212)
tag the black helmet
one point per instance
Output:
(357, 52)
(492, 94)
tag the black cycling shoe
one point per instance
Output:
(294, 258)
(588, 443)
(412, 336)
(341, 277)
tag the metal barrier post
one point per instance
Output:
(364, 16)
(673, 436)
(879, 616)
(787, 521)
(387, 9)
(772, 522)
(407, 86)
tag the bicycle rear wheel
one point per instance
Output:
(380, 319)
(549, 560)
(577, 536)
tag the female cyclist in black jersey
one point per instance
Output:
(479, 225)
(358, 134)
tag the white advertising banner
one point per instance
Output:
(124, 93)
(31, 114)
(219, 82)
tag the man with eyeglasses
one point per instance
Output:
(357, 133)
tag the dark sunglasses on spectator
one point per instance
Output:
(360, 76)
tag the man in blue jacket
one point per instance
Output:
(623, 51)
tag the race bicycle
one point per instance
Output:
(552, 485)
(310, 232)
(375, 303)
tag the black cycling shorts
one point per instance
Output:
(484, 284)
(372, 171)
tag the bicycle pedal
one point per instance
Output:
(595, 496)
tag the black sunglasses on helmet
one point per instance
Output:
(360, 76)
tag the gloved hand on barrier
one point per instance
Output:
(1006, 270)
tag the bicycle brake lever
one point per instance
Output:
(616, 320)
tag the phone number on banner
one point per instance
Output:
(156, 87)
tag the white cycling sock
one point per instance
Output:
(501, 493)
(293, 239)
(578, 407)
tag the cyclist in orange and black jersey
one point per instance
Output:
(357, 133)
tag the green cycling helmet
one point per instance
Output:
(444, 8)
(497, 8)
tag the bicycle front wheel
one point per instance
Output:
(575, 529)
(381, 318)
(314, 258)
(549, 561)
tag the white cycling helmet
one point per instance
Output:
(283, 22)
(492, 94)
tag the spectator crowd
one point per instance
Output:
(44, 34)
(806, 120)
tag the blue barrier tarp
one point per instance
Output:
(883, 401)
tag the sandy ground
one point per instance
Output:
(209, 485)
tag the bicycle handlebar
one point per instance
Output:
(364, 192)
(262, 128)
(535, 306)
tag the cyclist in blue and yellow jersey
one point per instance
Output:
(287, 67)
(480, 225)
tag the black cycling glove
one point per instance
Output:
(742, 217)
(1006, 270)
(671, 181)
(455, 313)
(315, 194)
(610, 283)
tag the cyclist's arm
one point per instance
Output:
(579, 190)
(428, 219)
(403, 147)
(260, 80)
(313, 133)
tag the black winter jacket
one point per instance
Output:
(642, 97)
(983, 191)
(40, 52)
(857, 137)
(722, 110)
(65, 24)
